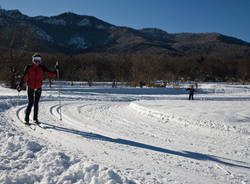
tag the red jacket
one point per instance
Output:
(33, 75)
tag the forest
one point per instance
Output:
(135, 69)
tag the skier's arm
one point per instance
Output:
(26, 73)
(48, 72)
(24, 78)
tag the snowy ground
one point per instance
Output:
(128, 135)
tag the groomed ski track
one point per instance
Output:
(143, 142)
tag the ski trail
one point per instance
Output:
(19, 111)
(78, 121)
(125, 134)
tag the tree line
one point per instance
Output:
(134, 69)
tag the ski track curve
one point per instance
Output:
(148, 130)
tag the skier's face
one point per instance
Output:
(37, 60)
(36, 63)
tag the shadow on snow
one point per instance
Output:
(186, 154)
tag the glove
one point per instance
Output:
(18, 88)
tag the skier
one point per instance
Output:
(191, 92)
(114, 84)
(33, 76)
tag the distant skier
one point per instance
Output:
(114, 84)
(191, 92)
(33, 75)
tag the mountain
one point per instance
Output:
(67, 32)
(72, 33)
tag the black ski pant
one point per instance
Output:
(33, 97)
(191, 96)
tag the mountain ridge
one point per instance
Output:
(71, 33)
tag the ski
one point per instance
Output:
(28, 125)
(37, 124)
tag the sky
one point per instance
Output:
(228, 17)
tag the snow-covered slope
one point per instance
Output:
(128, 135)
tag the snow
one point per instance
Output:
(84, 22)
(101, 27)
(78, 42)
(127, 135)
(16, 14)
(39, 18)
(42, 34)
(55, 21)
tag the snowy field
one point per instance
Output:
(128, 135)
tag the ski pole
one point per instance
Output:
(59, 90)
(17, 102)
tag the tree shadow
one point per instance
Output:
(186, 154)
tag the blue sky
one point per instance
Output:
(229, 17)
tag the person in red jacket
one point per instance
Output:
(33, 76)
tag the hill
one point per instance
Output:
(72, 33)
